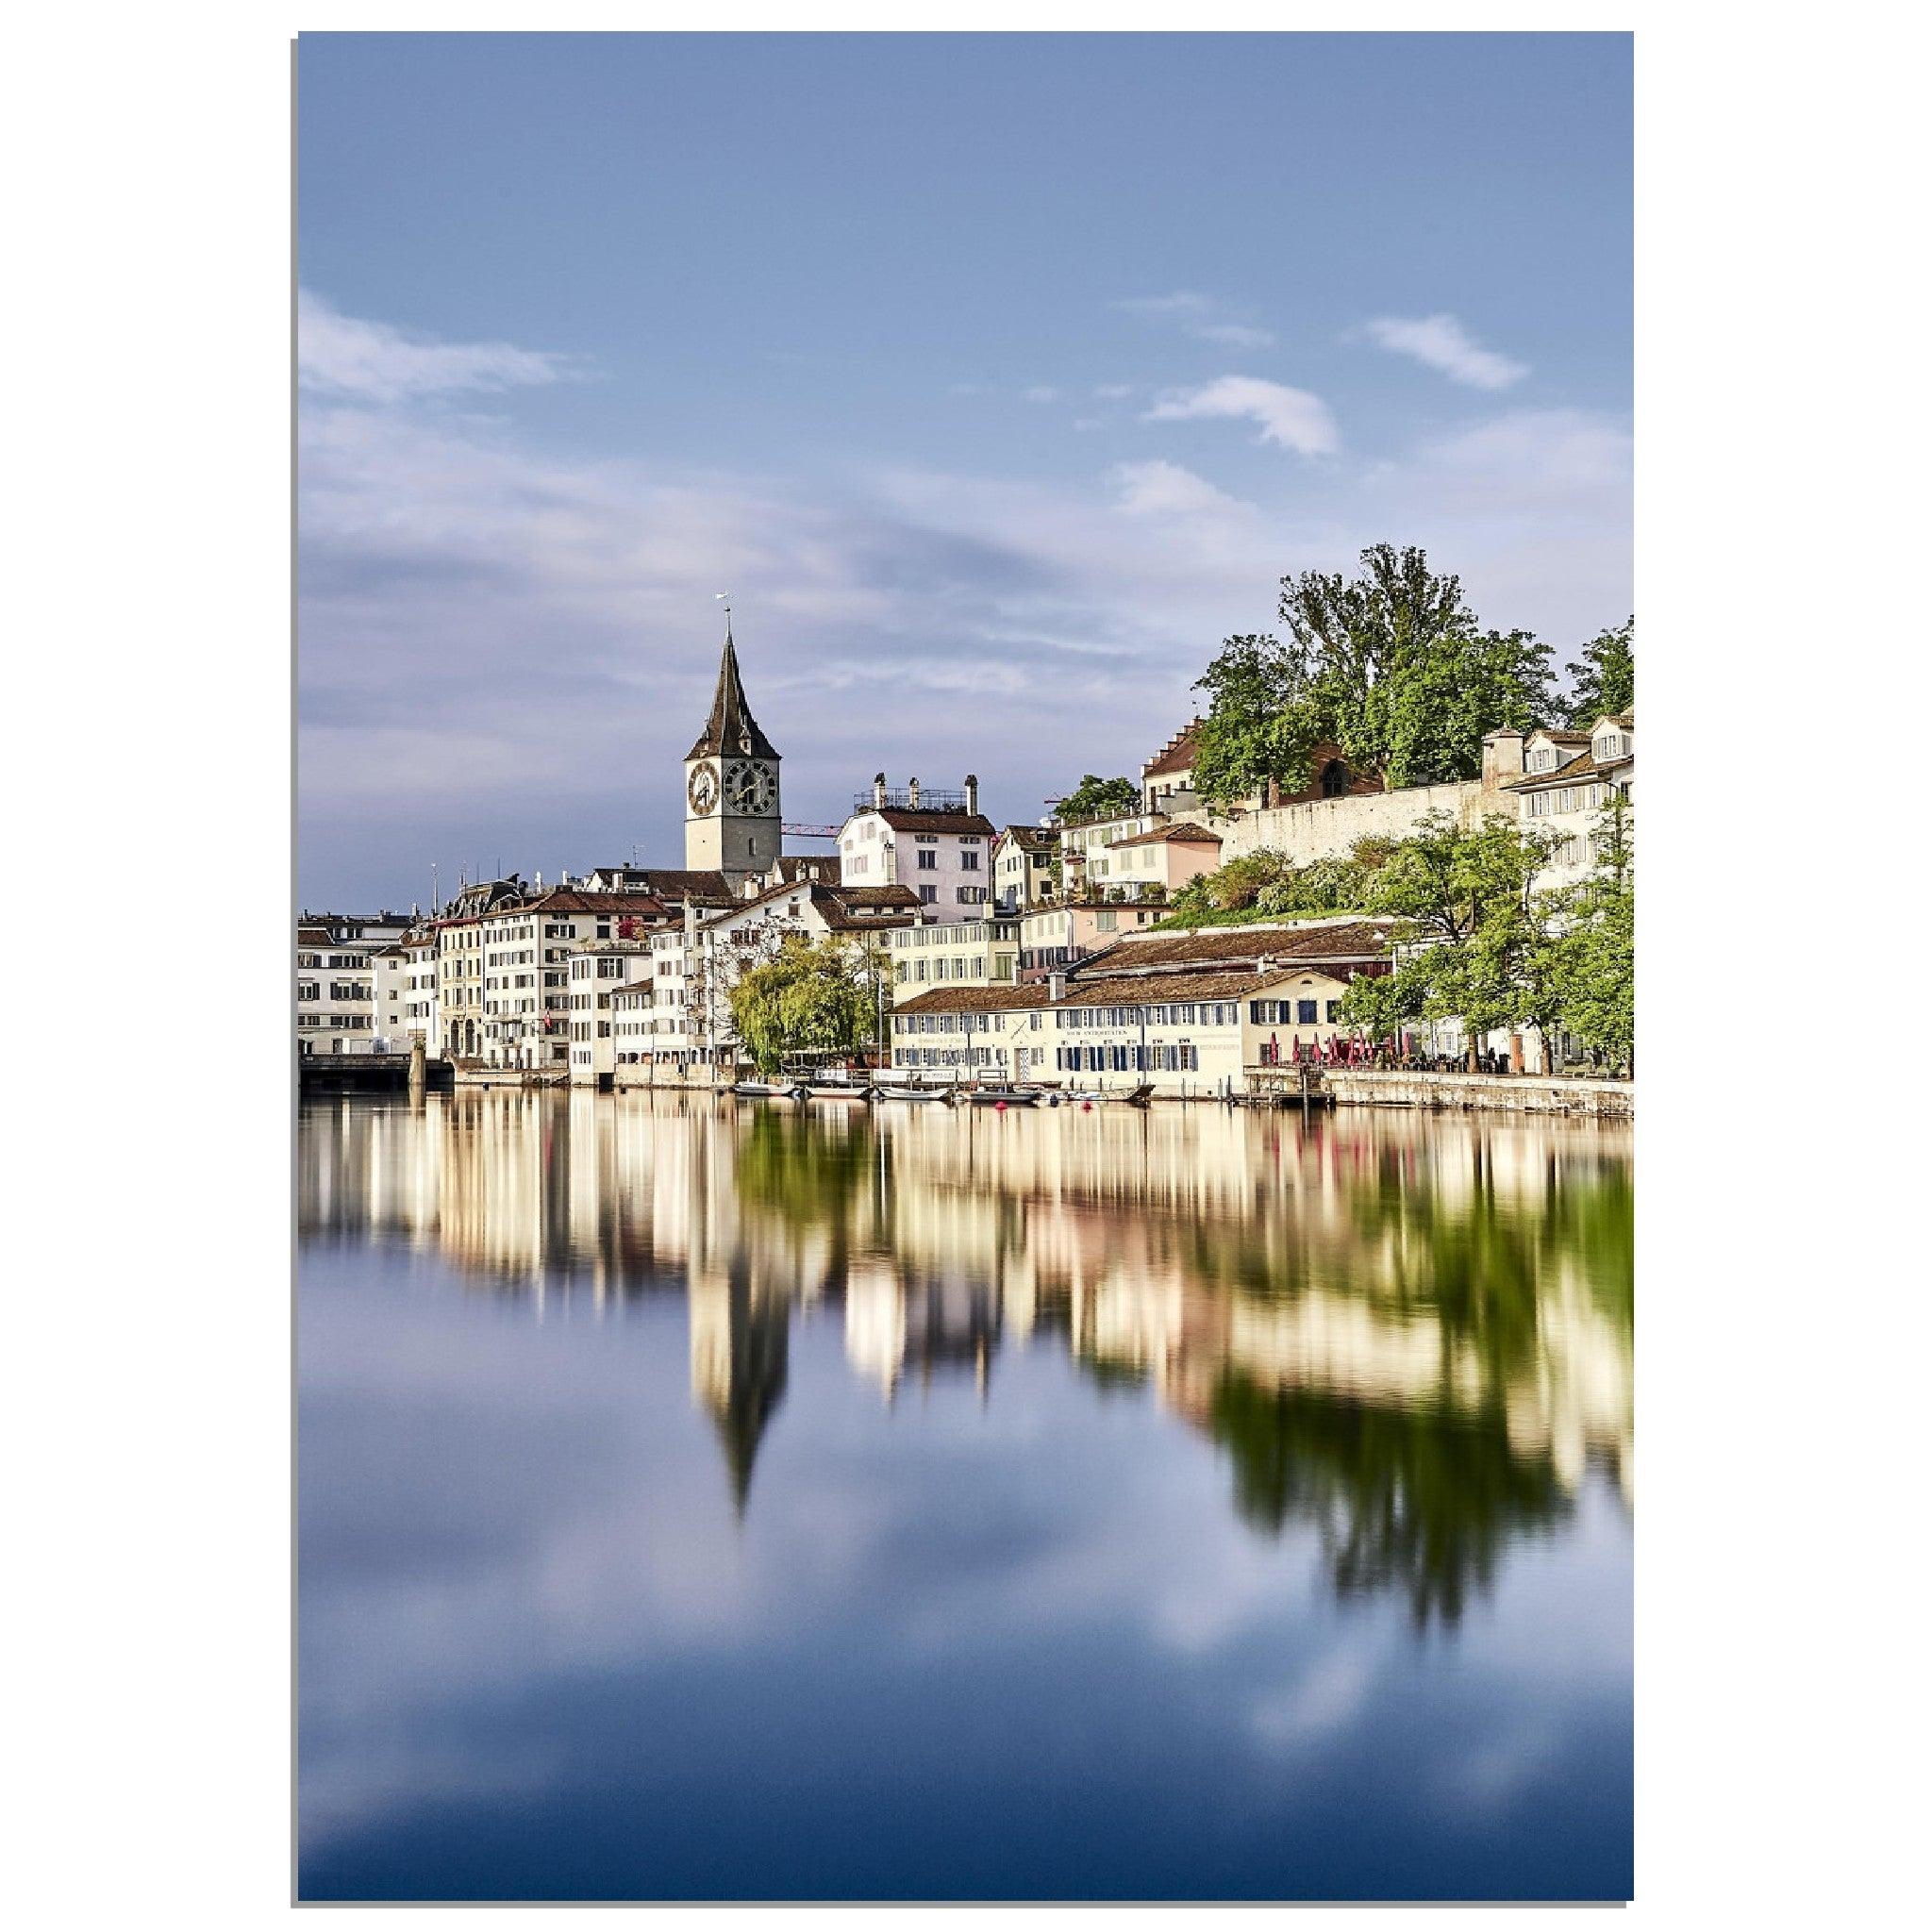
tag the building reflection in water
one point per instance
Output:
(1412, 1335)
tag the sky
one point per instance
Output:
(996, 377)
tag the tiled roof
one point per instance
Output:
(1177, 754)
(1357, 939)
(976, 999)
(568, 899)
(946, 819)
(1157, 989)
(1185, 833)
(1585, 765)
(673, 885)
(1039, 837)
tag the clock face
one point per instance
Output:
(703, 790)
(750, 786)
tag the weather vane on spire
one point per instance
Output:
(724, 597)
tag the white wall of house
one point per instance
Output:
(335, 994)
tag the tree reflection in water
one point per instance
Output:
(1411, 1335)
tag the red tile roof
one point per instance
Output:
(1177, 754)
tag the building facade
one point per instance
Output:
(970, 952)
(939, 845)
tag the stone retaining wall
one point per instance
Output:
(1487, 1092)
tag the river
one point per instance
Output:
(709, 1499)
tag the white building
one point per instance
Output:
(335, 993)
(1570, 778)
(937, 844)
(389, 973)
(596, 970)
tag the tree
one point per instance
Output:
(1098, 798)
(1600, 991)
(1391, 667)
(1603, 678)
(811, 996)
(1486, 938)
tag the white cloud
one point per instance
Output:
(1293, 418)
(1442, 343)
(1531, 457)
(1040, 393)
(1198, 315)
(1163, 489)
(339, 355)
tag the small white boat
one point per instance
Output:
(1005, 1096)
(768, 1090)
(892, 1093)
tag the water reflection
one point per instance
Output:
(1411, 1336)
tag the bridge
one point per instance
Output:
(366, 1072)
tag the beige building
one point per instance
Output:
(973, 952)
(1053, 937)
(1186, 1012)
(1181, 1033)
(1157, 863)
(1023, 867)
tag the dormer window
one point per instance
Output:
(1610, 745)
(1543, 760)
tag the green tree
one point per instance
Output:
(1603, 678)
(1390, 666)
(1098, 798)
(1487, 938)
(1599, 1002)
(809, 996)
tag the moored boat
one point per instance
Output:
(768, 1090)
(893, 1092)
(1004, 1096)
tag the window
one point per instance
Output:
(1305, 1011)
(928, 860)
(1333, 1011)
(1106, 921)
(969, 861)
(928, 895)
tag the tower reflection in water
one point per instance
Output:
(1411, 1334)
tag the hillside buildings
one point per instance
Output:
(1024, 949)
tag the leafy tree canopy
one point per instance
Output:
(1490, 945)
(1603, 678)
(1098, 798)
(809, 996)
(1390, 666)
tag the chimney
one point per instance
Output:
(879, 789)
(912, 793)
(1501, 757)
(1262, 965)
(1056, 986)
(972, 793)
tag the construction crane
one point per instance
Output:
(811, 831)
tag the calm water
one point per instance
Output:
(743, 1502)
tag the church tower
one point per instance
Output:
(731, 818)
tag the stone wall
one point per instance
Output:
(1482, 1093)
(1327, 827)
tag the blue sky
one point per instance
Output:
(998, 377)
